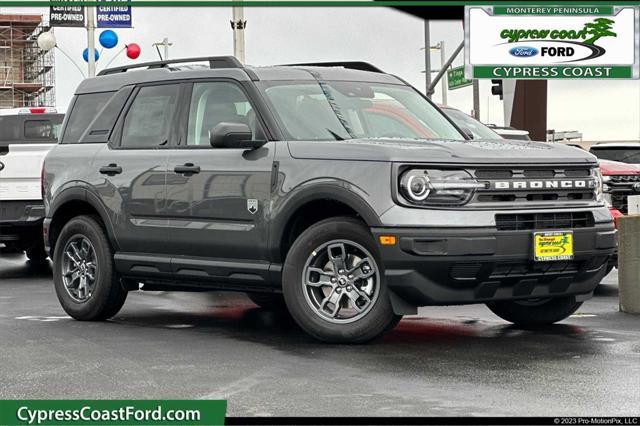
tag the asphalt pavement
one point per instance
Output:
(446, 361)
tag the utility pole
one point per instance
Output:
(165, 44)
(91, 42)
(238, 24)
(443, 59)
(427, 57)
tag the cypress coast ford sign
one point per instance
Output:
(540, 42)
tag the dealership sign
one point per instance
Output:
(541, 42)
(114, 14)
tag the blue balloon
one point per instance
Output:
(85, 54)
(108, 39)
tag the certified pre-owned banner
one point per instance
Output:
(542, 42)
(114, 14)
(116, 412)
(66, 16)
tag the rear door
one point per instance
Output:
(129, 173)
(218, 199)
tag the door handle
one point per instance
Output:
(188, 168)
(111, 170)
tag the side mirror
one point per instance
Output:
(233, 135)
(468, 133)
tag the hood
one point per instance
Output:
(499, 151)
(608, 167)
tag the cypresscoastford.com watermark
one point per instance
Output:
(118, 412)
(91, 414)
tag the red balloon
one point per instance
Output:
(133, 51)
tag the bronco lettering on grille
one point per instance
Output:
(545, 184)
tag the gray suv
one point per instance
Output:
(334, 190)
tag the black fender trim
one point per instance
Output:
(81, 193)
(285, 211)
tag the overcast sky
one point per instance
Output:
(601, 110)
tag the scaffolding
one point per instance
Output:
(27, 73)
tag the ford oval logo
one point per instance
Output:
(523, 51)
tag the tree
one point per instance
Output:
(600, 27)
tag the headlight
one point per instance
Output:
(438, 187)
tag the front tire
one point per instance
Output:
(334, 285)
(84, 276)
(535, 313)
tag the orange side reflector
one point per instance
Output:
(387, 240)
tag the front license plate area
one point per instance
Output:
(552, 246)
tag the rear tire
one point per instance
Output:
(83, 246)
(530, 313)
(271, 301)
(312, 280)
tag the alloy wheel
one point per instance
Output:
(79, 268)
(341, 281)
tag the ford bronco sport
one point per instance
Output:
(307, 185)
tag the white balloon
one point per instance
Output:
(47, 41)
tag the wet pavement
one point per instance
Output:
(446, 361)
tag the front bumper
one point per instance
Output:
(450, 266)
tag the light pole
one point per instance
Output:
(238, 24)
(427, 57)
(91, 42)
(444, 64)
(443, 60)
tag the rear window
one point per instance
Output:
(85, 109)
(41, 129)
(30, 128)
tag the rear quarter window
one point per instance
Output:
(84, 111)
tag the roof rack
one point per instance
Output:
(214, 62)
(353, 65)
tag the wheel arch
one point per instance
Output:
(74, 202)
(310, 205)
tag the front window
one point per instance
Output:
(213, 103)
(337, 110)
(621, 154)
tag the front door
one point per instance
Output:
(218, 198)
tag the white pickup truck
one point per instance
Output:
(26, 136)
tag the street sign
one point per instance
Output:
(66, 16)
(455, 77)
(116, 15)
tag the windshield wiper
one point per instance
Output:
(335, 135)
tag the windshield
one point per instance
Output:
(338, 110)
(479, 130)
(622, 154)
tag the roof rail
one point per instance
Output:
(353, 65)
(214, 62)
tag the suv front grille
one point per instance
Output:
(535, 185)
(540, 221)
(622, 186)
